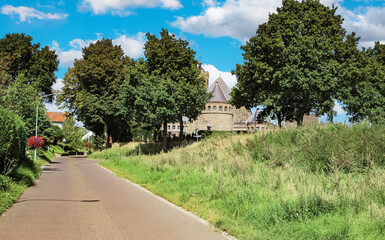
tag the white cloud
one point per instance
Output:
(214, 73)
(338, 108)
(119, 7)
(368, 23)
(27, 13)
(58, 84)
(238, 19)
(132, 46)
(66, 58)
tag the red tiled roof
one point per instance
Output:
(57, 116)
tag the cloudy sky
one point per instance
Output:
(214, 29)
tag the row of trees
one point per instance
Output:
(26, 72)
(301, 60)
(112, 93)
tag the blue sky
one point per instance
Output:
(215, 29)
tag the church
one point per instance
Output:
(219, 114)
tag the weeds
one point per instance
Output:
(308, 183)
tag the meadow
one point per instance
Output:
(320, 182)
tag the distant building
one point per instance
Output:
(219, 114)
(57, 118)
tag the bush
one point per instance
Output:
(12, 140)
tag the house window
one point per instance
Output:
(173, 127)
(209, 108)
(252, 128)
(262, 128)
(257, 128)
(178, 127)
(226, 109)
(169, 127)
(214, 108)
(220, 108)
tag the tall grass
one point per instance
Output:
(307, 183)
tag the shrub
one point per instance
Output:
(12, 140)
(35, 142)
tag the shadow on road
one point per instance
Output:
(51, 169)
(57, 200)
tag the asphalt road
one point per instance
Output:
(74, 198)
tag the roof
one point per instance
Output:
(219, 90)
(253, 117)
(57, 116)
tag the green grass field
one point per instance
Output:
(325, 182)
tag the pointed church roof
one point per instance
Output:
(253, 117)
(219, 90)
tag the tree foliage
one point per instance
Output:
(172, 62)
(291, 64)
(363, 78)
(73, 134)
(22, 57)
(92, 86)
(23, 99)
(13, 140)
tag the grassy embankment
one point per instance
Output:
(24, 174)
(308, 183)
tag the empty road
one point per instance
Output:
(74, 198)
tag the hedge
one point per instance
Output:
(13, 140)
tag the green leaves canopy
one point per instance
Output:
(91, 87)
(290, 65)
(37, 65)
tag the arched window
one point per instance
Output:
(214, 108)
(220, 108)
(173, 127)
(169, 127)
(209, 108)
(226, 109)
(229, 109)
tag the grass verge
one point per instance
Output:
(307, 183)
(22, 176)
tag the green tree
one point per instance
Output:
(13, 140)
(150, 99)
(37, 64)
(73, 134)
(363, 78)
(291, 64)
(174, 61)
(92, 87)
(23, 99)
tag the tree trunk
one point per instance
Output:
(280, 120)
(105, 136)
(181, 130)
(165, 135)
(300, 120)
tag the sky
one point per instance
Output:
(215, 29)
